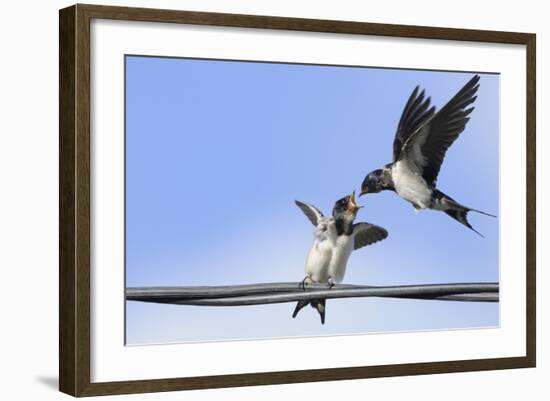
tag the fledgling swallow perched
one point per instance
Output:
(335, 238)
(421, 141)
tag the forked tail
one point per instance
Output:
(457, 211)
(319, 304)
(462, 217)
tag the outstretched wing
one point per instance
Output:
(311, 212)
(366, 234)
(425, 148)
(415, 114)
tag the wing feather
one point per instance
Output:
(427, 145)
(311, 212)
(366, 234)
(415, 114)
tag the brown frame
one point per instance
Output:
(74, 199)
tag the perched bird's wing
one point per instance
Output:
(366, 234)
(311, 212)
(415, 114)
(425, 148)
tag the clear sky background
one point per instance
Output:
(216, 154)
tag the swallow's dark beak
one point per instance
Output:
(364, 190)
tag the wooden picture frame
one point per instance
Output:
(74, 204)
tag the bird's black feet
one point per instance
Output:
(303, 283)
(330, 282)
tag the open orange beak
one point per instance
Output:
(352, 205)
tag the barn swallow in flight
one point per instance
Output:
(421, 141)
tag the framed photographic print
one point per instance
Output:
(250, 200)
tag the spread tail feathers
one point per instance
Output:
(462, 217)
(319, 304)
(299, 306)
(456, 210)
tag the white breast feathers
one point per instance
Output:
(410, 185)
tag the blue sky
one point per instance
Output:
(216, 154)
